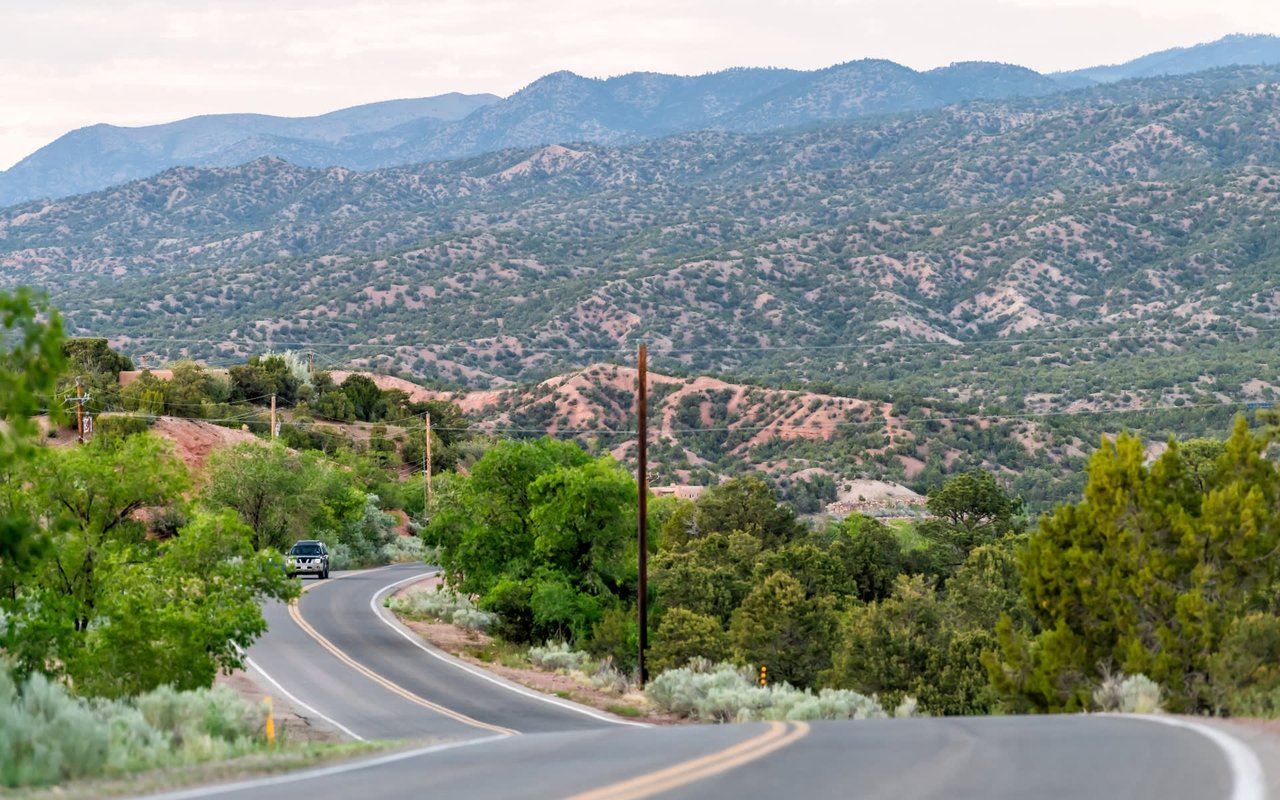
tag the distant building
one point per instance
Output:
(683, 492)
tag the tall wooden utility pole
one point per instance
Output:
(642, 503)
(426, 457)
(311, 362)
(79, 411)
(273, 416)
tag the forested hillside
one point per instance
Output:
(1081, 259)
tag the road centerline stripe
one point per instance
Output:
(778, 736)
(296, 614)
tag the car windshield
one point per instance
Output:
(306, 550)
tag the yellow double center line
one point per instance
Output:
(778, 736)
(389, 685)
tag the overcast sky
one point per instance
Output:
(69, 63)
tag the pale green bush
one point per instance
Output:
(787, 702)
(443, 605)
(473, 619)
(47, 736)
(909, 707)
(341, 557)
(558, 655)
(1134, 694)
(607, 677)
(404, 550)
(725, 693)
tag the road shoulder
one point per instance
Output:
(480, 652)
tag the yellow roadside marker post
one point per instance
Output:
(271, 723)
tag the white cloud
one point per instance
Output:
(68, 63)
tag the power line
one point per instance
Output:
(527, 347)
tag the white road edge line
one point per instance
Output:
(321, 772)
(290, 695)
(294, 699)
(1247, 779)
(377, 611)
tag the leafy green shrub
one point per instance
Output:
(558, 655)
(118, 427)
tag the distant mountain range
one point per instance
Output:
(1229, 51)
(567, 108)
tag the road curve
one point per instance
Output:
(345, 656)
(568, 754)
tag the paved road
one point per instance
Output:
(374, 681)
(346, 614)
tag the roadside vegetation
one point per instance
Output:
(128, 582)
(1155, 590)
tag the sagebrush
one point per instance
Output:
(726, 693)
(48, 736)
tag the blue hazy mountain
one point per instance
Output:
(563, 108)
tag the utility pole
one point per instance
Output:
(426, 458)
(642, 505)
(79, 411)
(311, 362)
(273, 416)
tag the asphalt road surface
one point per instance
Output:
(476, 736)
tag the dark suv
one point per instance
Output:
(308, 556)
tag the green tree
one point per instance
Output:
(262, 376)
(282, 496)
(365, 396)
(907, 644)
(584, 525)
(683, 635)
(870, 556)
(93, 496)
(779, 627)
(95, 501)
(970, 510)
(98, 367)
(31, 358)
(182, 615)
(191, 391)
(484, 522)
(1145, 574)
(817, 571)
(145, 394)
(89, 355)
(746, 504)
(988, 585)
(710, 575)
